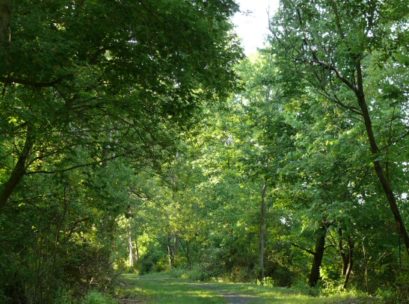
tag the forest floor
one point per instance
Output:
(162, 288)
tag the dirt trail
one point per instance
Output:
(131, 301)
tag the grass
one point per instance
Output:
(162, 288)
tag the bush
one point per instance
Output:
(64, 296)
(302, 287)
(198, 272)
(155, 260)
(95, 297)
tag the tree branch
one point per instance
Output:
(97, 162)
(30, 83)
(302, 248)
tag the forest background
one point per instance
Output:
(135, 136)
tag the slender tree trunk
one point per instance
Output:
(385, 183)
(318, 255)
(365, 266)
(262, 236)
(342, 253)
(19, 170)
(347, 257)
(137, 256)
(188, 254)
(130, 246)
(344, 263)
(171, 253)
(348, 269)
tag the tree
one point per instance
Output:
(86, 85)
(335, 47)
(129, 69)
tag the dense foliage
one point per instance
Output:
(133, 139)
(92, 91)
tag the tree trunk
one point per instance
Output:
(262, 237)
(137, 256)
(365, 265)
(188, 255)
(130, 246)
(171, 252)
(341, 250)
(347, 257)
(318, 255)
(5, 16)
(19, 169)
(348, 269)
(385, 183)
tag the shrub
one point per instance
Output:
(95, 297)
(64, 296)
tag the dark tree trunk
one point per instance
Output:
(5, 16)
(19, 170)
(188, 255)
(318, 255)
(385, 183)
(262, 240)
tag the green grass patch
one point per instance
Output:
(163, 288)
(160, 288)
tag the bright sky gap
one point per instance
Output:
(251, 22)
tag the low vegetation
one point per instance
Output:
(160, 288)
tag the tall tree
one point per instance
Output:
(334, 47)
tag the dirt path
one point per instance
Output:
(131, 301)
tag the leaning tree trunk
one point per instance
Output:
(318, 255)
(384, 181)
(18, 171)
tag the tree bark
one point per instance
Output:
(5, 16)
(137, 255)
(171, 252)
(262, 236)
(19, 169)
(318, 255)
(365, 265)
(348, 266)
(384, 181)
(130, 246)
